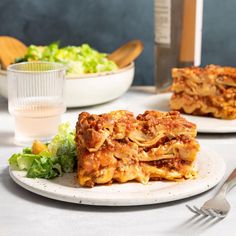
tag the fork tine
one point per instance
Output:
(200, 212)
(206, 212)
(220, 215)
(191, 209)
(212, 213)
(216, 214)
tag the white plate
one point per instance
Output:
(211, 169)
(204, 124)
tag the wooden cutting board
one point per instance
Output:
(10, 49)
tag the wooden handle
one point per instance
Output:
(127, 53)
(10, 49)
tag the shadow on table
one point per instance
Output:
(26, 195)
(213, 136)
(3, 104)
(143, 90)
(194, 225)
(6, 139)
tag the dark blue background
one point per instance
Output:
(106, 24)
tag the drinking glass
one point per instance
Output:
(35, 99)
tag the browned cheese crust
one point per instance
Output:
(119, 147)
(209, 91)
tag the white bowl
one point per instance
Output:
(90, 89)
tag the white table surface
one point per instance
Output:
(25, 213)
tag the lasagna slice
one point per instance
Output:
(117, 147)
(209, 91)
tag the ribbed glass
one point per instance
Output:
(35, 93)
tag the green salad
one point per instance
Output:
(77, 59)
(48, 160)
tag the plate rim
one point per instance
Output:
(217, 130)
(107, 201)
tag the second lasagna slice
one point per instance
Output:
(209, 91)
(119, 147)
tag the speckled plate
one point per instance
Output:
(210, 166)
(204, 124)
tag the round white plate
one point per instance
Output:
(204, 124)
(211, 169)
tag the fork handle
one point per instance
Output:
(229, 183)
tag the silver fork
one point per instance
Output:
(218, 206)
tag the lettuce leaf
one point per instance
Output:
(44, 168)
(63, 146)
(77, 59)
(22, 161)
(58, 158)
